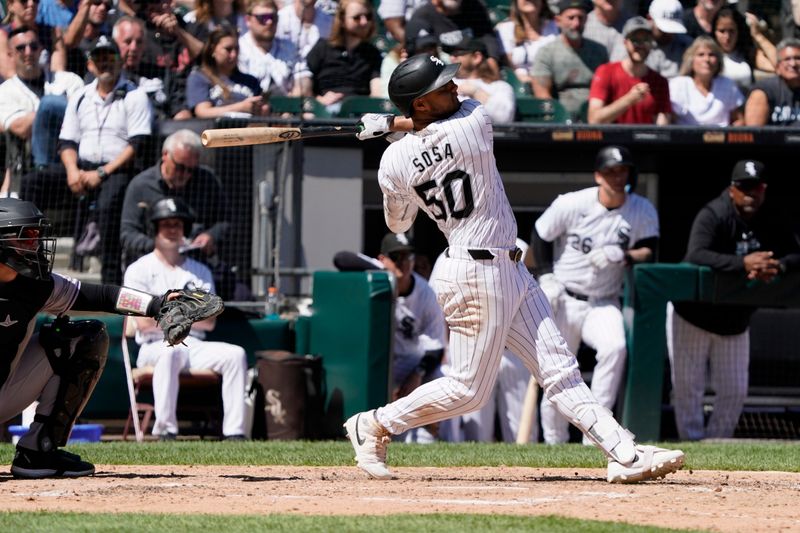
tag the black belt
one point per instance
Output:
(486, 255)
(88, 165)
(581, 297)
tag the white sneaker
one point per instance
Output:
(651, 462)
(369, 441)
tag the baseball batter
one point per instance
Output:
(60, 365)
(163, 269)
(446, 168)
(582, 245)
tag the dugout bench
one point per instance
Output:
(648, 289)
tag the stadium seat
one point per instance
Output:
(583, 113)
(530, 109)
(355, 106)
(297, 105)
(520, 88)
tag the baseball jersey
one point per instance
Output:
(419, 328)
(577, 223)
(20, 301)
(149, 274)
(449, 171)
(276, 69)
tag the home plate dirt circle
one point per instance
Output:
(720, 501)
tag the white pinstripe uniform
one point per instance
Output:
(150, 274)
(448, 170)
(589, 310)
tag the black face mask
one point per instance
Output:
(36, 263)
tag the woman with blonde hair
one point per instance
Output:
(347, 63)
(218, 88)
(529, 26)
(700, 94)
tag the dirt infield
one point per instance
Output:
(718, 501)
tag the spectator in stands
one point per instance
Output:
(395, 13)
(701, 95)
(745, 50)
(775, 101)
(564, 68)
(23, 13)
(211, 14)
(218, 88)
(303, 23)
(347, 63)
(89, 23)
(165, 266)
(669, 34)
(628, 91)
(604, 25)
(275, 62)
(790, 19)
(453, 21)
(32, 106)
(168, 43)
(529, 27)
(103, 125)
(476, 79)
(699, 19)
(178, 174)
(56, 13)
(734, 233)
(165, 89)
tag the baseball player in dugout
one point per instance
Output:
(581, 246)
(164, 268)
(444, 166)
(708, 343)
(60, 365)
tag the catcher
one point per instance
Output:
(61, 365)
(156, 272)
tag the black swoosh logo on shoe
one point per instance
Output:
(358, 437)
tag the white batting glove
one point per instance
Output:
(374, 125)
(552, 289)
(601, 257)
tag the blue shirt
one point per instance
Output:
(54, 13)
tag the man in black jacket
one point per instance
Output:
(730, 234)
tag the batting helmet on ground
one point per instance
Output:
(611, 156)
(417, 76)
(173, 208)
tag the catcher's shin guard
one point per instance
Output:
(600, 427)
(77, 352)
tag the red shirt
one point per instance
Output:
(611, 82)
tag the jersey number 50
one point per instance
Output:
(431, 195)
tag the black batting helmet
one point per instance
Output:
(417, 76)
(25, 245)
(173, 208)
(611, 156)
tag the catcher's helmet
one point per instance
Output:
(417, 76)
(173, 208)
(25, 244)
(611, 156)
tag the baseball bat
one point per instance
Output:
(264, 135)
(528, 417)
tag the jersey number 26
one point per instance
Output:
(431, 195)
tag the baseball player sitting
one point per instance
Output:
(445, 167)
(60, 365)
(166, 268)
(582, 244)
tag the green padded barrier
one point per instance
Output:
(302, 335)
(351, 329)
(254, 334)
(645, 308)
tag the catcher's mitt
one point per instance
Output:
(176, 316)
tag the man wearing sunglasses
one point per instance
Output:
(733, 233)
(274, 61)
(32, 105)
(177, 174)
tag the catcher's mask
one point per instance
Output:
(172, 208)
(25, 244)
(611, 156)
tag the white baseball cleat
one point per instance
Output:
(369, 441)
(651, 462)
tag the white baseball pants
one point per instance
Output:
(695, 353)
(228, 360)
(599, 324)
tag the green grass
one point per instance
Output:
(441, 523)
(704, 456)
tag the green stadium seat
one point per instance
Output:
(583, 113)
(297, 105)
(530, 109)
(355, 106)
(520, 88)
